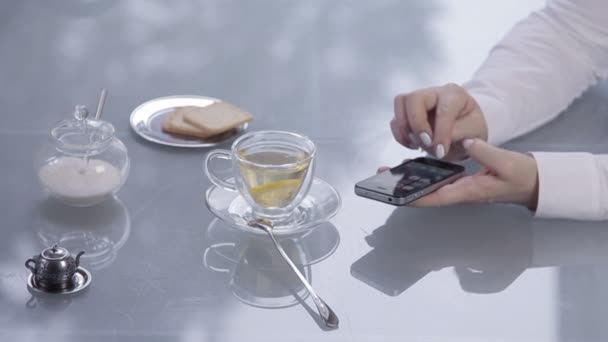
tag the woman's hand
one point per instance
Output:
(436, 118)
(507, 177)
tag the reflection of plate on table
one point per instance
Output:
(320, 204)
(146, 120)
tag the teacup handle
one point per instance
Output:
(218, 154)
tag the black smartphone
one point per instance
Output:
(409, 181)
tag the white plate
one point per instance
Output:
(147, 118)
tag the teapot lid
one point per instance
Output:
(55, 253)
(81, 134)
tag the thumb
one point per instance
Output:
(488, 155)
(383, 168)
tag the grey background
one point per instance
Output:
(328, 69)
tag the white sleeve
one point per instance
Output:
(533, 74)
(572, 185)
(541, 66)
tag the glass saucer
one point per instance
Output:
(320, 205)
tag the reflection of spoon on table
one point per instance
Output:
(326, 313)
(100, 230)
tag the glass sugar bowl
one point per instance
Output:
(83, 163)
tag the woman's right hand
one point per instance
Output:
(436, 118)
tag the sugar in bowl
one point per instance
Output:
(83, 163)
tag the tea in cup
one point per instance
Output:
(272, 170)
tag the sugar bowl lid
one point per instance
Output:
(82, 133)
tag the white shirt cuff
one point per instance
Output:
(567, 186)
(498, 122)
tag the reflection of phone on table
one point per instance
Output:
(409, 181)
(380, 270)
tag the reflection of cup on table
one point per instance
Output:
(260, 278)
(272, 170)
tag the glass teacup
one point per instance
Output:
(272, 170)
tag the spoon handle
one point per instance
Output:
(326, 313)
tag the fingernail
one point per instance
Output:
(440, 151)
(467, 143)
(426, 139)
(413, 140)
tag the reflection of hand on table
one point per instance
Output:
(489, 249)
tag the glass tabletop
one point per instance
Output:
(326, 69)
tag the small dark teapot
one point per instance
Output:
(54, 268)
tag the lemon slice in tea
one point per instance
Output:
(276, 194)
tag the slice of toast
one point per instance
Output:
(216, 118)
(174, 123)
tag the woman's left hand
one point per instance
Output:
(507, 177)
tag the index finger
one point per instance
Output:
(417, 107)
(450, 104)
(400, 115)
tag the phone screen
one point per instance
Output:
(411, 176)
